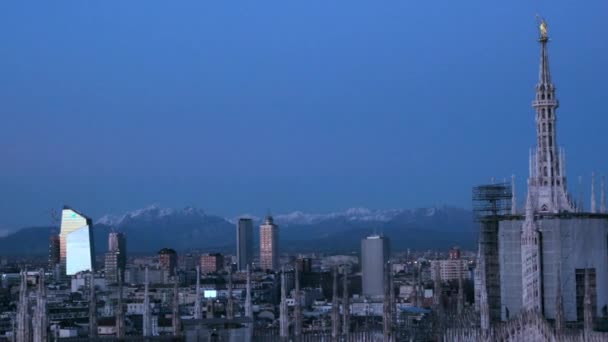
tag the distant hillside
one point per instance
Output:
(152, 228)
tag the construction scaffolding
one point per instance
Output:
(491, 204)
(491, 200)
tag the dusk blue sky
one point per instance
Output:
(237, 107)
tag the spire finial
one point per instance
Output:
(602, 195)
(580, 194)
(513, 198)
(592, 192)
(543, 29)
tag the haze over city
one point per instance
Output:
(243, 107)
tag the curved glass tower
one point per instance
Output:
(76, 242)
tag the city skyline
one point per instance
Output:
(204, 121)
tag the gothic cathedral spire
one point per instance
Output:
(548, 179)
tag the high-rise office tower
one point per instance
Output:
(375, 251)
(244, 243)
(116, 258)
(76, 242)
(269, 245)
(167, 259)
(54, 252)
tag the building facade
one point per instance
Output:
(76, 243)
(375, 251)
(212, 263)
(450, 269)
(269, 245)
(167, 261)
(244, 243)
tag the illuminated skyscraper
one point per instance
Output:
(116, 258)
(269, 245)
(244, 243)
(76, 242)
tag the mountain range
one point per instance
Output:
(152, 228)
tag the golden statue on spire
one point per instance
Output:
(544, 35)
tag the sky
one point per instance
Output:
(244, 106)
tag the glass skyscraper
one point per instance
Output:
(244, 243)
(76, 242)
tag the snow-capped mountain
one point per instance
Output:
(150, 213)
(351, 214)
(154, 227)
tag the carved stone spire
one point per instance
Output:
(41, 316)
(549, 181)
(197, 302)
(147, 315)
(92, 306)
(513, 197)
(560, 321)
(484, 307)
(230, 301)
(345, 305)
(581, 205)
(297, 308)
(437, 288)
(248, 306)
(387, 319)
(419, 287)
(460, 297)
(283, 319)
(587, 305)
(24, 331)
(593, 209)
(530, 258)
(176, 320)
(602, 195)
(335, 308)
(120, 311)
